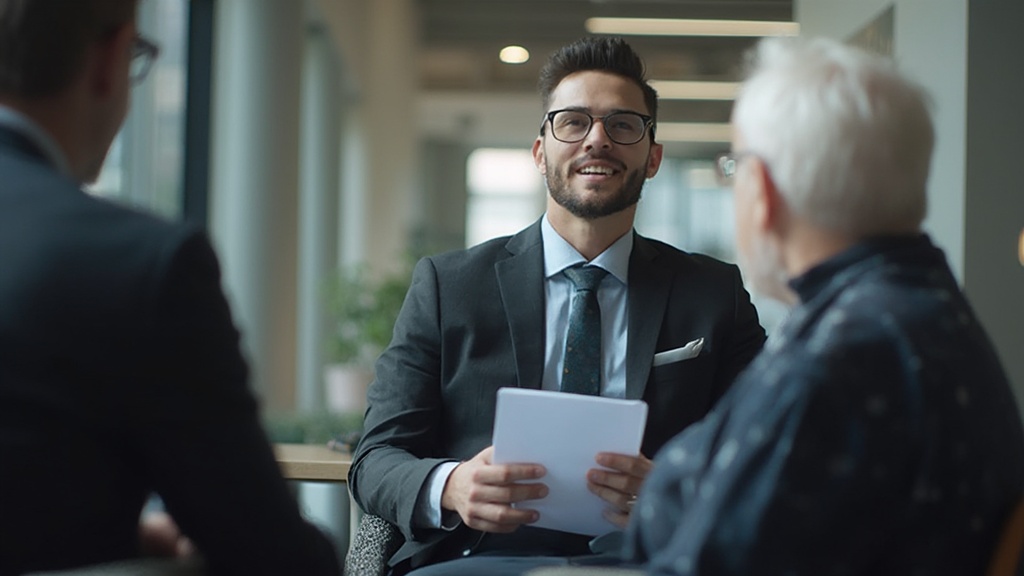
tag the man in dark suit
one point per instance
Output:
(676, 329)
(120, 369)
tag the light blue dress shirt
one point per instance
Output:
(558, 290)
(611, 294)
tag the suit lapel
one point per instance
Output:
(649, 287)
(521, 282)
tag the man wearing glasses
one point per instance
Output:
(120, 369)
(674, 330)
(877, 433)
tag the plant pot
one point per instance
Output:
(345, 387)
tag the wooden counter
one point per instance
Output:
(312, 462)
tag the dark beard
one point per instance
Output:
(627, 195)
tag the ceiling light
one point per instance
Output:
(672, 27)
(677, 90)
(693, 132)
(514, 55)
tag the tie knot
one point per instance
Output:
(585, 277)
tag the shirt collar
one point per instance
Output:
(25, 126)
(818, 277)
(559, 254)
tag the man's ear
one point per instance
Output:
(654, 159)
(769, 206)
(538, 155)
(111, 60)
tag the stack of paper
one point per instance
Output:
(564, 432)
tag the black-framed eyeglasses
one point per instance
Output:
(726, 165)
(572, 126)
(144, 52)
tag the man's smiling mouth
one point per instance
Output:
(597, 170)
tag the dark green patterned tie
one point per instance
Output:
(582, 368)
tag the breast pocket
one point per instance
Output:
(692, 370)
(677, 395)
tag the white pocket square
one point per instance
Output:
(685, 353)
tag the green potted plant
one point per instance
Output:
(363, 307)
(316, 427)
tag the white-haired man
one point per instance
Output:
(876, 433)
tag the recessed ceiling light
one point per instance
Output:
(514, 55)
(680, 27)
(680, 90)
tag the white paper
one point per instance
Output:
(564, 432)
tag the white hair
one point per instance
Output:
(847, 139)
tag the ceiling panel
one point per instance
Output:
(460, 41)
(478, 29)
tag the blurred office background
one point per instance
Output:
(312, 135)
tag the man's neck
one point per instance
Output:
(28, 121)
(806, 246)
(590, 237)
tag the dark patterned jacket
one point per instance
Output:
(876, 434)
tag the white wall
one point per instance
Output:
(994, 277)
(931, 46)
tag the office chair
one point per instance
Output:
(374, 543)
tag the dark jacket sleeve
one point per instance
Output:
(402, 431)
(200, 436)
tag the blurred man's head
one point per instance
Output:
(65, 63)
(831, 145)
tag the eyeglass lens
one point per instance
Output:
(143, 54)
(726, 166)
(621, 127)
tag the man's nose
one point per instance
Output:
(597, 137)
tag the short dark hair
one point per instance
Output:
(600, 53)
(43, 42)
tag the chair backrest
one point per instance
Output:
(374, 543)
(1007, 560)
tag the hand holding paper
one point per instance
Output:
(564, 433)
(483, 493)
(619, 484)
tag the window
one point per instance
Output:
(684, 206)
(144, 166)
(506, 193)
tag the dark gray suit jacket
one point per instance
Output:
(121, 374)
(473, 322)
